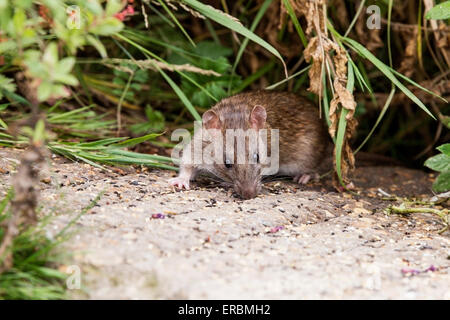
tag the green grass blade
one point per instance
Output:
(340, 136)
(244, 44)
(184, 75)
(418, 85)
(231, 23)
(326, 104)
(380, 117)
(132, 154)
(355, 18)
(273, 86)
(122, 98)
(132, 142)
(97, 143)
(181, 95)
(172, 16)
(386, 71)
(362, 82)
(254, 76)
(163, 18)
(297, 25)
(52, 117)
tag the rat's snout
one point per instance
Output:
(246, 191)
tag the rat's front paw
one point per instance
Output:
(302, 178)
(179, 183)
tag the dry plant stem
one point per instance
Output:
(23, 205)
(153, 64)
(24, 182)
(443, 214)
(430, 49)
(434, 25)
(6, 260)
(145, 15)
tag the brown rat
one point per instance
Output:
(303, 140)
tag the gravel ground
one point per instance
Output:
(290, 242)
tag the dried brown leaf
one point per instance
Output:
(407, 66)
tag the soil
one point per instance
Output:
(143, 240)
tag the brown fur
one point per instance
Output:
(303, 139)
(303, 136)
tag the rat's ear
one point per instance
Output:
(258, 117)
(210, 120)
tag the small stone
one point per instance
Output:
(46, 180)
(361, 211)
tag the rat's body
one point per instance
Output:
(303, 139)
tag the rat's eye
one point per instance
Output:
(256, 157)
(228, 164)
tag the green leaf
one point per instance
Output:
(59, 90)
(44, 91)
(8, 45)
(66, 79)
(15, 97)
(440, 162)
(439, 12)
(445, 120)
(39, 131)
(113, 6)
(3, 124)
(50, 56)
(107, 26)
(19, 21)
(51, 273)
(442, 183)
(6, 84)
(94, 6)
(212, 50)
(97, 44)
(65, 65)
(445, 149)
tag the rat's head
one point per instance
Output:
(239, 128)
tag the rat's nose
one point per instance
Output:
(247, 191)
